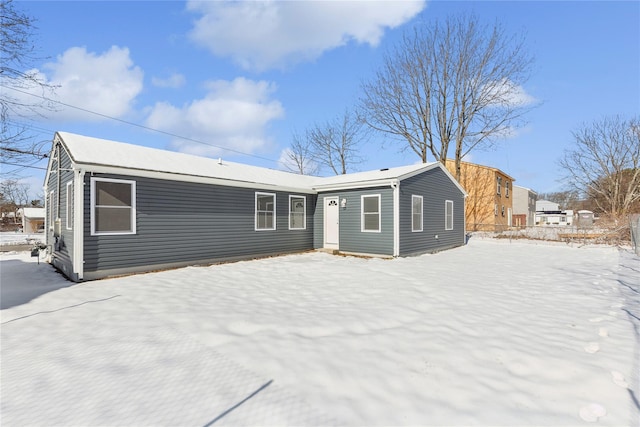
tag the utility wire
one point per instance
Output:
(140, 126)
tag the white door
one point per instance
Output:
(509, 216)
(331, 226)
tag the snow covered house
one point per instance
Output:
(32, 219)
(114, 208)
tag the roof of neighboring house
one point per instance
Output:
(32, 212)
(105, 155)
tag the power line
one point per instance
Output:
(139, 125)
(22, 166)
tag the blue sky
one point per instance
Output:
(246, 75)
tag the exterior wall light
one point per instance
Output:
(343, 203)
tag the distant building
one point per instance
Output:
(489, 204)
(32, 220)
(524, 206)
(549, 213)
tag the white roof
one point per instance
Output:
(32, 212)
(98, 154)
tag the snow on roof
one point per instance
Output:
(33, 212)
(94, 151)
(89, 151)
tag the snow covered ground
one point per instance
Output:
(493, 333)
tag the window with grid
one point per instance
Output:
(297, 211)
(371, 213)
(265, 211)
(448, 215)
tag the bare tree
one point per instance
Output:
(454, 83)
(336, 144)
(17, 143)
(604, 163)
(13, 196)
(299, 158)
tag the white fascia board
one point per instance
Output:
(192, 178)
(358, 184)
(78, 222)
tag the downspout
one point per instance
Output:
(395, 185)
(78, 222)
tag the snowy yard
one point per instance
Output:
(493, 333)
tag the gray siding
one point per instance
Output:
(61, 246)
(181, 223)
(352, 238)
(435, 187)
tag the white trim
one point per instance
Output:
(78, 224)
(413, 230)
(362, 213)
(396, 219)
(447, 203)
(304, 211)
(93, 206)
(69, 206)
(255, 211)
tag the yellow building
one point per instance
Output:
(489, 206)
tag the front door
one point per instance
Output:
(331, 225)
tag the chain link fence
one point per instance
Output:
(611, 233)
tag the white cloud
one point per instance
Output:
(233, 114)
(508, 93)
(265, 34)
(174, 81)
(106, 83)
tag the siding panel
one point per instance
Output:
(352, 238)
(435, 187)
(182, 223)
(61, 246)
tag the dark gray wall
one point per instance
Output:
(62, 245)
(435, 187)
(181, 223)
(351, 238)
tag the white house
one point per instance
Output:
(549, 213)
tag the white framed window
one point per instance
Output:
(370, 213)
(265, 211)
(495, 209)
(297, 212)
(506, 188)
(502, 210)
(69, 205)
(113, 206)
(499, 185)
(448, 215)
(416, 213)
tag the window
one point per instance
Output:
(371, 213)
(502, 210)
(506, 188)
(448, 215)
(113, 206)
(69, 205)
(495, 209)
(297, 212)
(265, 211)
(416, 213)
(499, 181)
